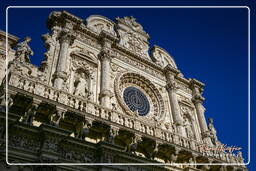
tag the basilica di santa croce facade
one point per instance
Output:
(101, 95)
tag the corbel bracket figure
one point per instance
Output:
(83, 130)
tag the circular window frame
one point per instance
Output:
(156, 102)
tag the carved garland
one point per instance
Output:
(127, 79)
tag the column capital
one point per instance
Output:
(194, 83)
(106, 54)
(106, 93)
(60, 74)
(107, 37)
(172, 85)
(198, 98)
(67, 36)
(171, 70)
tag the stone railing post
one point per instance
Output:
(198, 102)
(172, 88)
(66, 39)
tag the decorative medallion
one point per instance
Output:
(139, 97)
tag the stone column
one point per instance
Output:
(198, 102)
(105, 92)
(175, 108)
(66, 39)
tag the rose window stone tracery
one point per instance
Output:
(136, 101)
(139, 97)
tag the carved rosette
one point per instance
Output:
(157, 106)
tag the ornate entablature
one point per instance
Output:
(100, 82)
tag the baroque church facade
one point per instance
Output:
(101, 95)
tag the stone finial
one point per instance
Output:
(24, 51)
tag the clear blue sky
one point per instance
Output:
(210, 45)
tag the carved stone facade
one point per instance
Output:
(102, 96)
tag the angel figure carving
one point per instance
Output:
(24, 51)
(81, 88)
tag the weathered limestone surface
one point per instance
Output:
(102, 96)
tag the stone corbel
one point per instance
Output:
(174, 155)
(131, 148)
(82, 131)
(57, 116)
(5, 100)
(155, 151)
(113, 132)
(31, 112)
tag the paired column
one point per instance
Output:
(198, 102)
(66, 39)
(172, 89)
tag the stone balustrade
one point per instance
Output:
(98, 111)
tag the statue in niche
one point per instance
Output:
(81, 86)
(188, 127)
(24, 51)
(212, 131)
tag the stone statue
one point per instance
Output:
(188, 127)
(24, 51)
(212, 130)
(82, 86)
